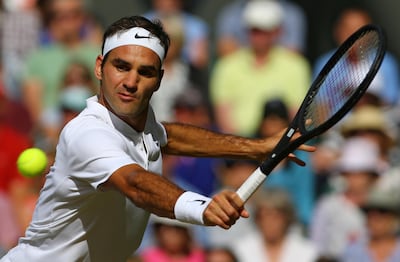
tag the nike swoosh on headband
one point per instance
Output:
(135, 36)
(141, 36)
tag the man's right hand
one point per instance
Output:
(224, 210)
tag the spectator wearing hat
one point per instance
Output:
(338, 220)
(231, 31)
(371, 122)
(241, 82)
(382, 211)
(375, 124)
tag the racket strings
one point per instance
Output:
(343, 80)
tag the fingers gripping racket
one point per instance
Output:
(337, 88)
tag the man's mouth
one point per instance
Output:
(126, 96)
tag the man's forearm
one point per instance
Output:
(194, 141)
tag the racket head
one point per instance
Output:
(342, 81)
(314, 117)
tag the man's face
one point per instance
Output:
(129, 77)
(261, 40)
(67, 19)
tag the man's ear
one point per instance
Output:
(98, 67)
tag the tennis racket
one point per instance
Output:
(337, 88)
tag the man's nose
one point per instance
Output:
(131, 80)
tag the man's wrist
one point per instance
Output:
(190, 207)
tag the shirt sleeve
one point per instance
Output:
(96, 153)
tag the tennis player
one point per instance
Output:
(106, 178)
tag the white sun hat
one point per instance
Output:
(263, 14)
(359, 154)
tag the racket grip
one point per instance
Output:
(251, 184)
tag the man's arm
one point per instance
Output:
(158, 195)
(198, 142)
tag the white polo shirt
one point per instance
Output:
(73, 219)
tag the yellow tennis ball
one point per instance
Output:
(32, 162)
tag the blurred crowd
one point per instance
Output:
(247, 75)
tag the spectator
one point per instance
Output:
(77, 73)
(371, 122)
(190, 107)
(231, 31)
(383, 244)
(196, 33)
(176, 72)
(174, 242)
(220, 254)
(386, 83)
(76, 87)
(66, 16)
(298, 181)
(243, 81)
(231, 174)
(275, 239)
(358, 170)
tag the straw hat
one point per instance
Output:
(379, 199)
(367, 118)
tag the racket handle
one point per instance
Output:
(251, 184)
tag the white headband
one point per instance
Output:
(134, 36)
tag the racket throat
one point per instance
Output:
(289, 135)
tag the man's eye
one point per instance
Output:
(122, 68)
(147, 72)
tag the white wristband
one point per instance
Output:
(190, 207)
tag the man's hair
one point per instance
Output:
(125, 23)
